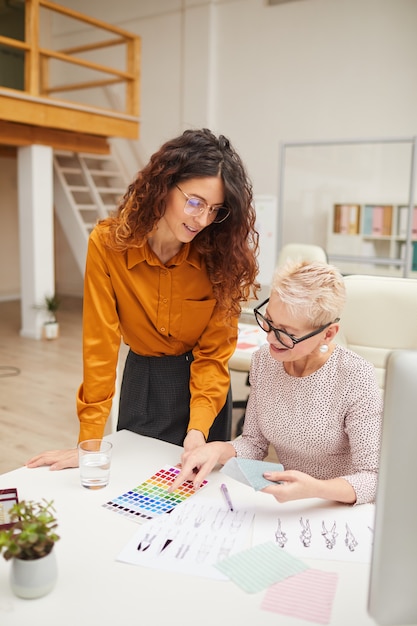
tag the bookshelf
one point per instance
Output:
(374, 235)
(313, 175)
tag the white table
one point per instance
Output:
(94, 589)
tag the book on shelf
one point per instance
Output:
(368, 212)
(387, 220)
(377, 220)
(413, 224)
(413, 254)
(402, 222)
(346, 218)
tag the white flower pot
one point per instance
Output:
(33, 579)
(51, 330)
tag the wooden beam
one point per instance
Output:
(66, 116)
(32, 55)
(8, 151)
(12, 134)
(14, 43)
(133, 67)
(85, 18)
(84, 63)
(94, 46)
(89, 85)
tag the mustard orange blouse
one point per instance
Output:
(156, 310)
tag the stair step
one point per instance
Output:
(113, 173)
(97, 157)
(78, 188)
(112, 190)
(69, 170)
(90, 187)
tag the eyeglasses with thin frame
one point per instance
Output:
(196, 206)
(285, 339)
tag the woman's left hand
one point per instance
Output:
(293, 485)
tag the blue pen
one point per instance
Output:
(227, 496)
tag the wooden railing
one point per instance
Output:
(37, 74)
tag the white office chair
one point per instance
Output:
(302, 252)
(380, 315)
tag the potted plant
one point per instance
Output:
(51, 325)
(29, 542)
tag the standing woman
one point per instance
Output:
(167, 274)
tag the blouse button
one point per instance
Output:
(162, 329)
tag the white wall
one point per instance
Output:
(315, 69)
(307, 70)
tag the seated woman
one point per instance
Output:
(316, 402)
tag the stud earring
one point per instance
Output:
(324, 348)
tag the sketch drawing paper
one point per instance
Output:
(190, 539)
(316, 529)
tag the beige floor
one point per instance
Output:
(38, 383)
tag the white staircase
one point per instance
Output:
(87, 187)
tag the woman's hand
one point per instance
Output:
(193, 439)
(56, 459)
(197, 463)
(294, 485)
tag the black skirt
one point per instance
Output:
(155, 399)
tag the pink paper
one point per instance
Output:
(308, 595)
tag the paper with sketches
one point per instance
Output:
(250, 471)
(190, 539)
(316, 529)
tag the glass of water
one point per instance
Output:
(94, 457)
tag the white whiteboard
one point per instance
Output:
(266, 225)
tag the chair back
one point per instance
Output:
(301, 252)
(380, 315)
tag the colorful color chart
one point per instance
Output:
(152, 498)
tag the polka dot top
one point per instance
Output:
(326, 424)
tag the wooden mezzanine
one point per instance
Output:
(36, 116)
(36, 120)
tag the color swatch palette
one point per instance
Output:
(152, 498)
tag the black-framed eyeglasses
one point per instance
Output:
(196, 206)
(285, 339)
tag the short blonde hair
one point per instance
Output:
(313, 289)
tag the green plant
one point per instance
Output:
(32, 534)
(52, 304)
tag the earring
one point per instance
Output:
(324, 348)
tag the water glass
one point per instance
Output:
(94, 457)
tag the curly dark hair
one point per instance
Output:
(230, 249)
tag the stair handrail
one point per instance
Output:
(37, 75)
